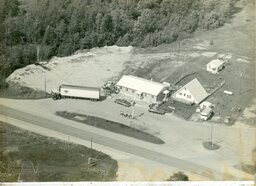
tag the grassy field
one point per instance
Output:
(16, 91)
(111, 126)
(25, 156)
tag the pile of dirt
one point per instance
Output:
(85, 68)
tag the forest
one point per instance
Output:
(35, 30)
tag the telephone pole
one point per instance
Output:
(91, 143)
(211, 134)
(45, 83)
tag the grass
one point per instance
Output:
(53, 159)
(181, 109)
(110, 126)
(16, 91)
(250, 169)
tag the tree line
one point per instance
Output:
(34, 30)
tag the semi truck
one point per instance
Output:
(74, 91)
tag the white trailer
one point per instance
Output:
(74, 91)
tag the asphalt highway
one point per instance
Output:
(107, 141)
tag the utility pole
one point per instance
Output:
(240, 78)
(133, 111)
(91, 143)
(211, 134)
(45, 83)
(91, 149)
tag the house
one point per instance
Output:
(192, 92)
(215, 66)
(142, 89)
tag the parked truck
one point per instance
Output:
(74, 91)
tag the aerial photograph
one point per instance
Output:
(127, 91)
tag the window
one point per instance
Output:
(126, 89)
(152, 96)
(189, 96)
(133, 91)
(184, 94)
(180, 93)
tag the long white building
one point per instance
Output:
(142, 89)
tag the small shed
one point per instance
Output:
(215, 66)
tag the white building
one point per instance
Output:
(142, 89)
(215, 66)
(192, 92)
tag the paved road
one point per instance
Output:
(106, 141)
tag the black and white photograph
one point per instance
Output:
(127, 92)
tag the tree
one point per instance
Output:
(178, 176)
(76, 24)
(145, 23)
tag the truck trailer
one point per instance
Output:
(74, 91)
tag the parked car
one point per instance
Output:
(123, 102)
(156, 111)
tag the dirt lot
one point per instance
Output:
(25, 156)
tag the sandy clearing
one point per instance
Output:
(91, 68)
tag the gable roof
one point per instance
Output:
(216, 62)
(196, 89)
(141, 85)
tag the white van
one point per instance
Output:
(206, 113)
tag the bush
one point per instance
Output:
(178, 176)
